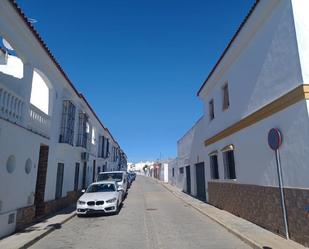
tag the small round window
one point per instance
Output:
(11, 164)
(28, 166)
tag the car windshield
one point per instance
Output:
(104, 187)
(110, 176)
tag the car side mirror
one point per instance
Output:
(120, 188)
(83, 190)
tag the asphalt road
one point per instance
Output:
(151, 217)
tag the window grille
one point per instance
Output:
(83, 127)
(67, 123)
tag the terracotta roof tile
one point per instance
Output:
(51, 56)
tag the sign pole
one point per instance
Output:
(279, 171)
(274, 142)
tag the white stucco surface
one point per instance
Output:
(267, 59)
(301, 20)
(31, 105)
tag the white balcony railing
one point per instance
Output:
(39, 121)
(11, 105)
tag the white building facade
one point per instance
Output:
(52, 142)
(260, 82)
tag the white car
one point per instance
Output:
(99, 197)
(119, 176)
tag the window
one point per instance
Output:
(211, 109)
(28, 166)
(214, 169)
(59, 181)
(226, 100)
(40, 91)
(84, 183)
(229, 164)
(181, 170)
(11, 219)
(113, 153)
(67, 123)
(107, 148)
(11, 164)
(93, 136)
(173, 172)
(76, 177)
(10, 63)
(83, 130)
(102, 142)
(118, 177)
(104, 187)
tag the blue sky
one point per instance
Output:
(139, 63)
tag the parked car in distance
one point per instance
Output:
(133, 175)
(130, 179)
(100, 197)
(119, 176)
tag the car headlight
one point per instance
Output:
(81, 202)
(111, 200)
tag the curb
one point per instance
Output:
(44, 234)
(245, 239)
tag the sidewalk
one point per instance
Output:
(253, 235)
(32, 234)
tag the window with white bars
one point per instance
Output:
(107, 153)
(67, 123)
(83, 130)
(102, 147)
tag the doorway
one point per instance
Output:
(84, 176)
(200, 181)
(59, 181)
(188, 177)
(41, 181)
(93, 171)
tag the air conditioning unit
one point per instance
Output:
(85, 156)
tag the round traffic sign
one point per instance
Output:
(274, 138)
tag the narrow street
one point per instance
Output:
(151, 217)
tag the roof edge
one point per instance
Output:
(229, 45)
(52, 57)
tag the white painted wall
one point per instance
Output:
(255, 161)
(191, 151)
(267, 60)
(166, 171)
(14, 67)
(301, 20)
(264, 56)
(274, 71)
(17, 188)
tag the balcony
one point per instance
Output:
(39, 122)
(14, 108)
(11, 105)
